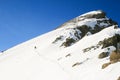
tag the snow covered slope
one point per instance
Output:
(80, 49)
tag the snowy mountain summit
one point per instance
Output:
(84, 48)
(84, 25)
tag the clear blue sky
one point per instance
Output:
(21, 20)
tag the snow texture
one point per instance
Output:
(40, 59)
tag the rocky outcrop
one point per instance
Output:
(114, 57)
(89, 23)
(100, 14)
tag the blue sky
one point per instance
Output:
(21, 20)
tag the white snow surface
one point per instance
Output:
(49, 62)
(40, 59)
(92, 12)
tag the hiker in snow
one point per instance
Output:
(35, 47)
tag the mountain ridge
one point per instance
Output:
(73, 52)
(85, 24)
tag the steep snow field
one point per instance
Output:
(41, 59)
(23, 62)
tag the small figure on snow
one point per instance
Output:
(35, 47)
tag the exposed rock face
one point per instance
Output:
(77, 28)
(105, 65)
(106, 43)
(103, 55)
(115, 56)
(118, 78)
(101, 14)
(111, 41)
